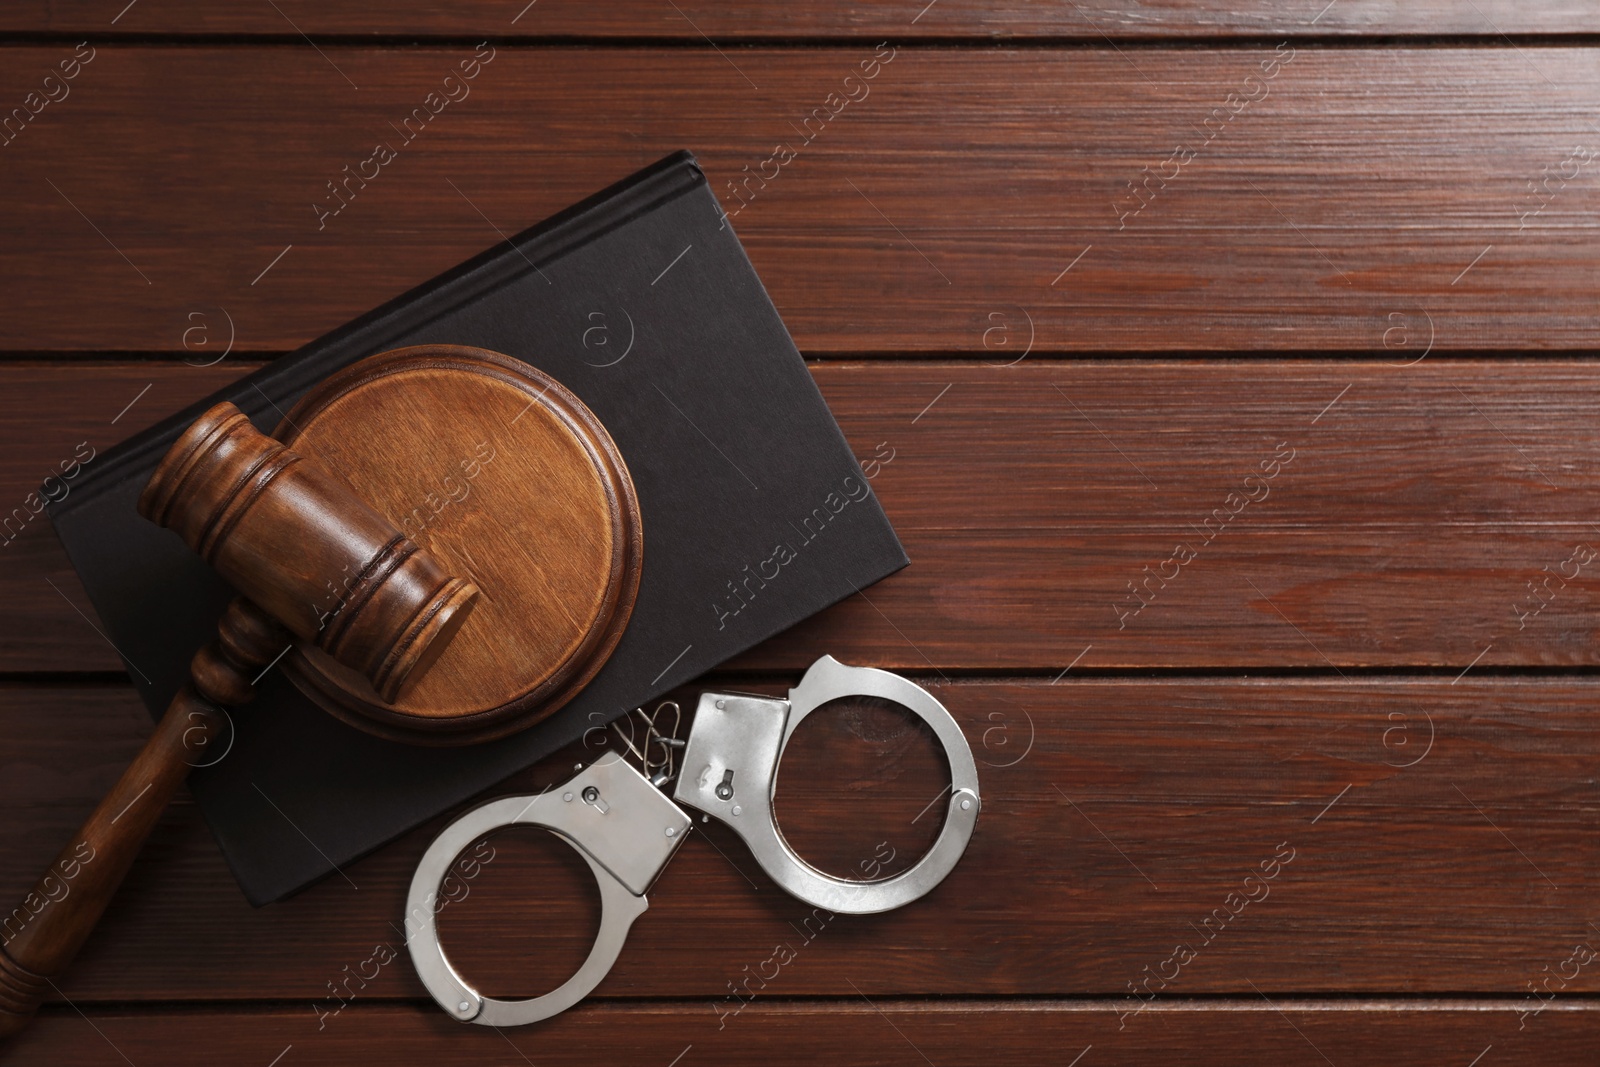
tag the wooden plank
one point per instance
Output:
(1364, 189)
(1004, 21)
(1290, 1033)
(1431, 516)
(1421, 836)
(56, 419)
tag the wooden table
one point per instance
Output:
(1225, 367)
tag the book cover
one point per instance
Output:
(642, 302)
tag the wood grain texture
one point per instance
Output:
(501, 473)
(102, 406)
(308, 554)
(1361, 190)
(1432, 838)
(1419, 505)
(43, 934)
(1141, 181)
(284, 531)
(1290, 1033)
(45, 929)
(908, 20)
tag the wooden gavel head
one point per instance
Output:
(506, 477)
(303, 547)
(312, 561)
(346, 525)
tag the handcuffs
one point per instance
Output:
(627, 829)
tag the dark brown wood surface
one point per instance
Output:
(1343, 354)
(909, 19)
(1360, 191)
(1293, 1033)
(1118, 814)
(1021, 494)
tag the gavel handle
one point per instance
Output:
(39, 938)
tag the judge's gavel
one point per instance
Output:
(313, 563)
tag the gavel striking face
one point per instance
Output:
(312, 561)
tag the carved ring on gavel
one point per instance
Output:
(301, 546)
(312, 561)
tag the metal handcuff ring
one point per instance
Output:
(626, 829)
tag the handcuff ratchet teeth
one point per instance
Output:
(627, 829)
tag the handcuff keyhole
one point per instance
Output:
(591, 796)
(725, 787)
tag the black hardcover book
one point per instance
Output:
(642, 302)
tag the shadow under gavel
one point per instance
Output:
(312, 563)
